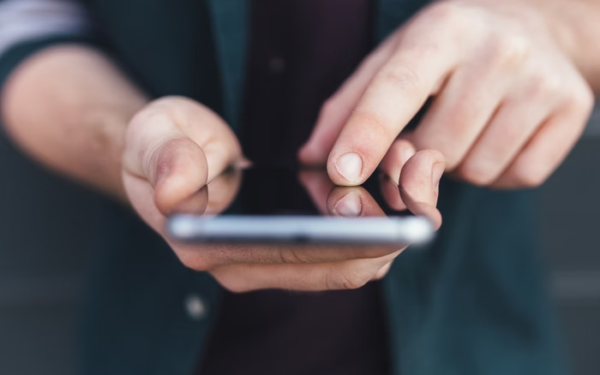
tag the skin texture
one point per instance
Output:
(159, 156)
(510, 82)
(69, 119)
(175, 146)
(509, 101)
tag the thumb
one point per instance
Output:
(177, 146)
(419, 181)
(178, 169)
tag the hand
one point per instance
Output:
(317, 268)
(175, 146)
(508, 103)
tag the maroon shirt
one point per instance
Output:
(300, 53)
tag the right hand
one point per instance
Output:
(175, 146)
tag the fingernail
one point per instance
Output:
(350, 166)
(438, 171)
(349, 206)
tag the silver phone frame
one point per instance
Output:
(401, 230)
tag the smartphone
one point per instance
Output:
(288, 206)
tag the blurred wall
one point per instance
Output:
(46, 226)
(570, 225)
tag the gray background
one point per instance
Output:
(42, 258)
(569, 207)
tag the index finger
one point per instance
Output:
(394, 96)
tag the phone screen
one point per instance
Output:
(279, 191)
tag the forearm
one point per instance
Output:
(68, 107)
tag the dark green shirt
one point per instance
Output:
(472, 303)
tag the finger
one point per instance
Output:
(208, 257)
(346, 275)
(393, 97)
(196, 204)
(352, 201)
(160, 153)
(222, 191)
(205, 257)
(398, 154)
(318, 185)
(419, 182)
(464, 107)
(177, 146)
(391, 193)
(180, 168)
(383, 271)
(206, 129)
(336, 111)
(549, 145)
(506, 134)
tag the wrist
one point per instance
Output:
(70, 120)
(574, 26)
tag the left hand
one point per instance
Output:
(508, 105)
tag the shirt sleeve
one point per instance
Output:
(28, 26)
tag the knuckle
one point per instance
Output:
(403, 78)
(430, 156)
(289, 256)
(375, 123)
(544, 87)
(510, 50)
(435, 156)
(447, 12)
(583, 99)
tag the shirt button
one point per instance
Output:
(196, 308)
(277, 65)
